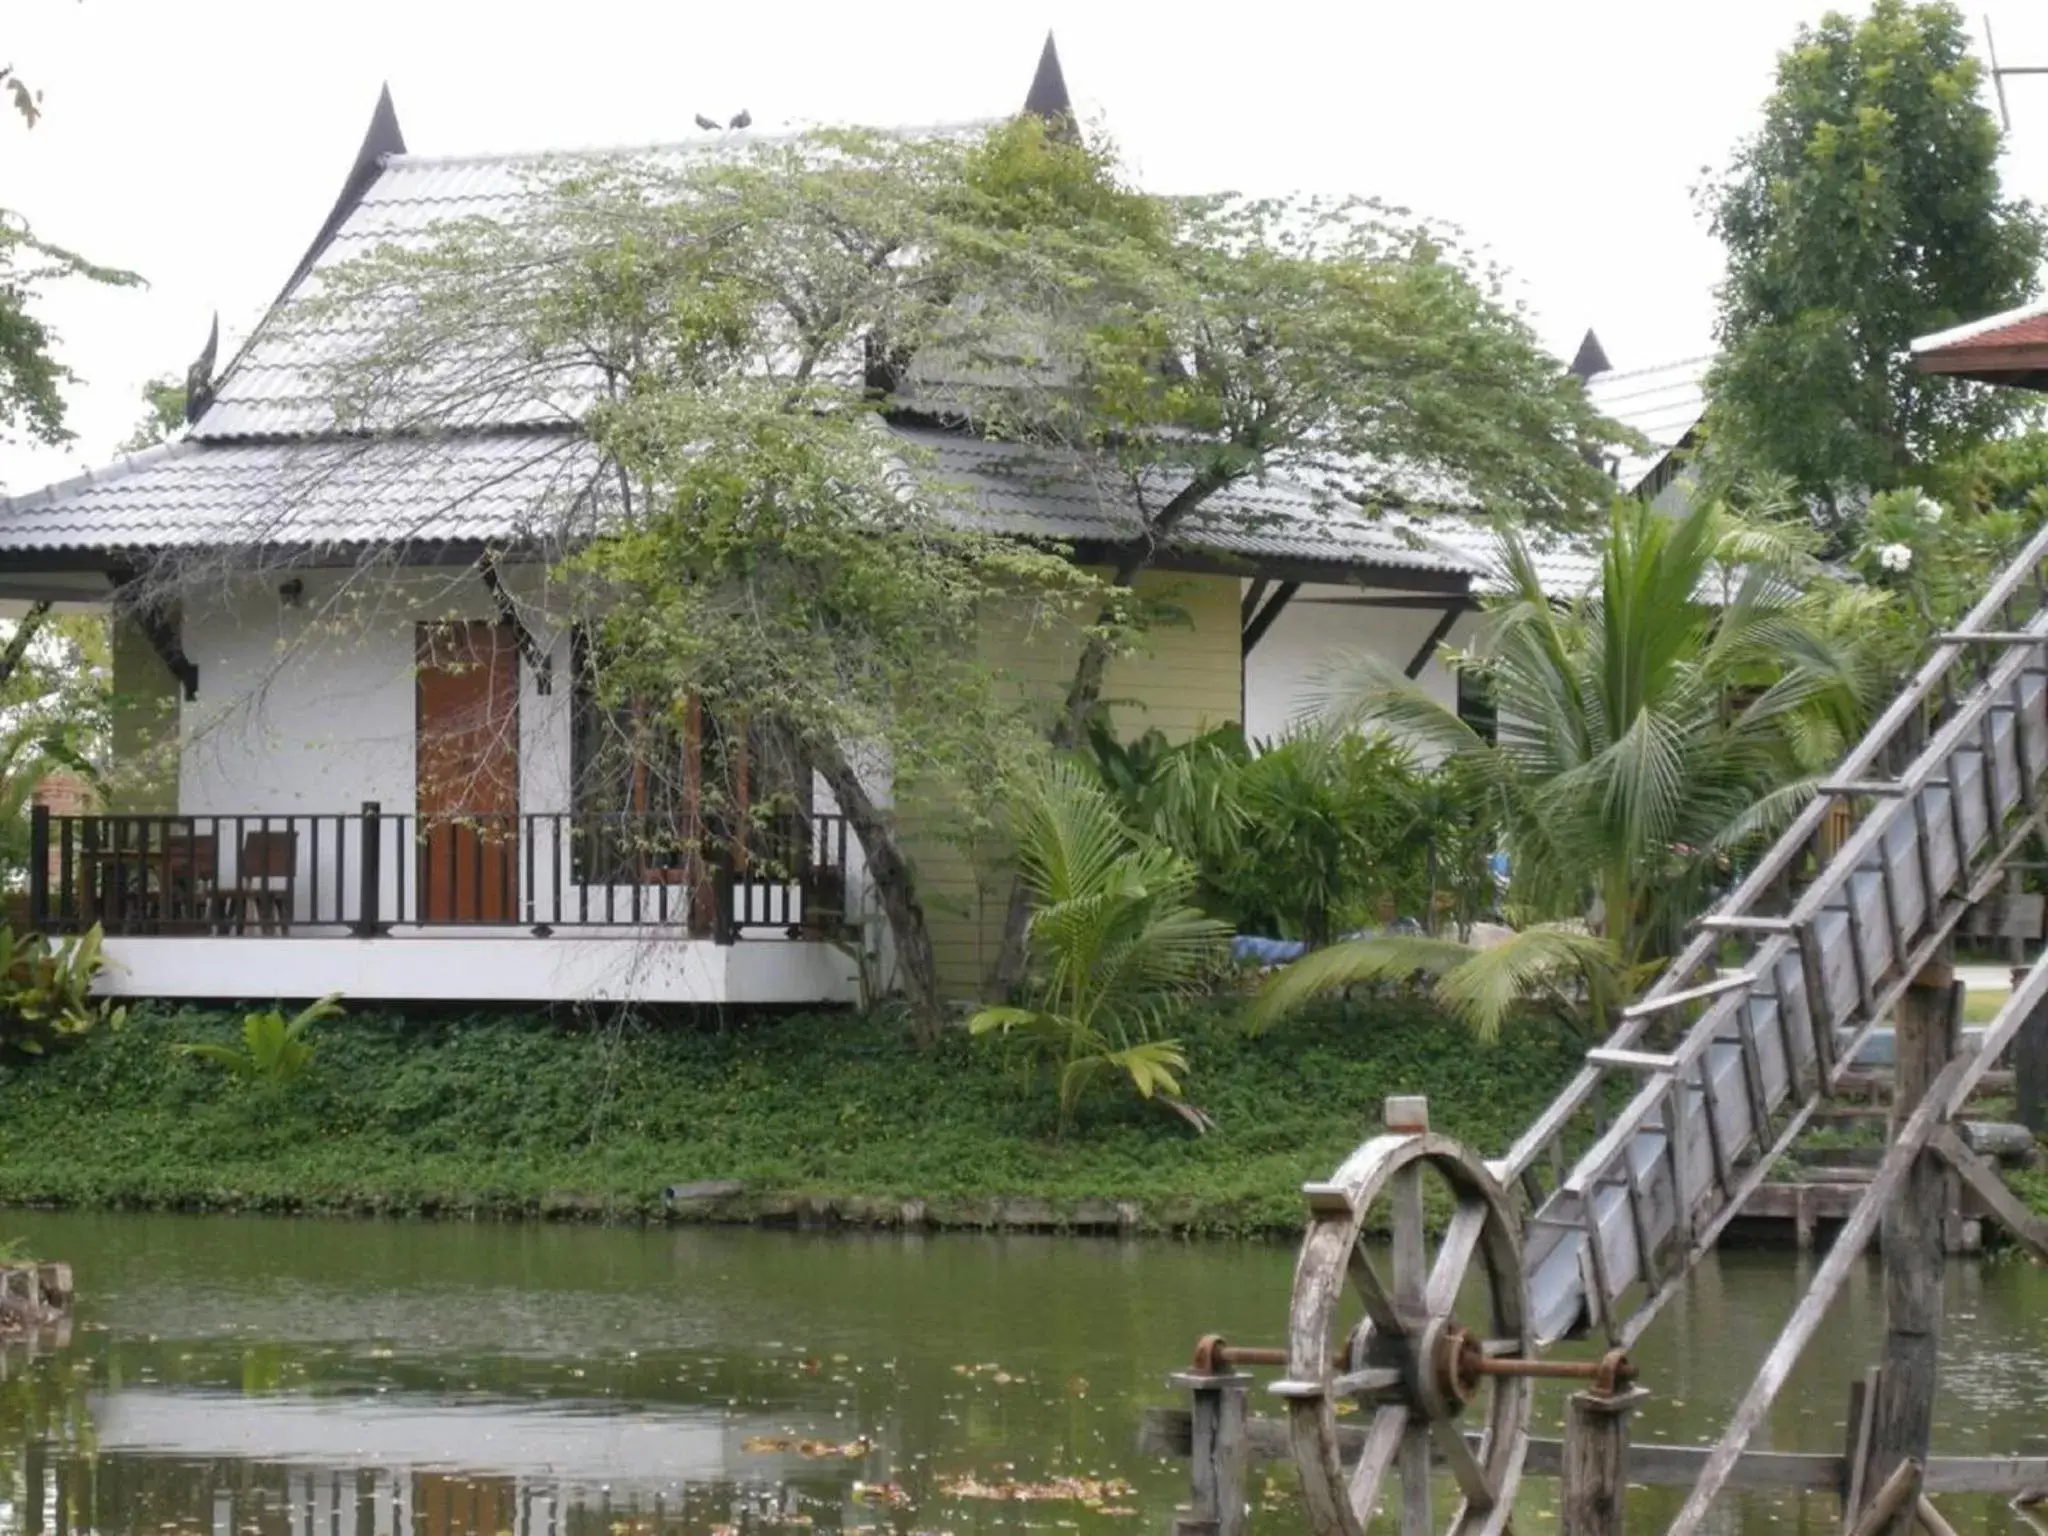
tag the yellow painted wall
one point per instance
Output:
(1184, 679)
(145, 726)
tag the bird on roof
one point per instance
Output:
(708, 124)
(744, 120)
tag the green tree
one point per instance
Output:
(730, 327)
(1649, 733)
(1865, 211)
(32, 380)
(163, 416)
(1328, 341)
(766, 552)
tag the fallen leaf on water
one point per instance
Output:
(778, 1445)
(1082, 1490)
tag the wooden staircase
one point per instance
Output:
(1748, 1032)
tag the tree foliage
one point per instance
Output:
(1866, 210)
(736, 333)
(32, 379)
(163, 415)
(1650, 732)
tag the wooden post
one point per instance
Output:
(2030, 1066)
(1902, 1421)
(1218, 1455)
(1593, 1495)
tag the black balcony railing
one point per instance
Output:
(368, 873)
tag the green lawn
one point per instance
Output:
(1982, 1007)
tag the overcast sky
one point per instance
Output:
(201, 143)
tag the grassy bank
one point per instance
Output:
(501, 1115)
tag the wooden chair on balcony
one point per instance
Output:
(262, 888)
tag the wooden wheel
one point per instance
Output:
(1398, 1351)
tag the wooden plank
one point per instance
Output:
(1593, 1495)
(1930, 1517)
(1743, 922)
(2011, 1213)
(1891, 1507)
(1218, 1454)
(1634, 1061)
(1166, 1431)
(1862, 1403)
(1915, 1261)
(1806, 1317)
(1654, 1004)
(2030, 995)
(1411, 1293)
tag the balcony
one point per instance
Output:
(371, 875)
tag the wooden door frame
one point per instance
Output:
(504, 643)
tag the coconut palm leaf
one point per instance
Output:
(1114, 940)
(1649, 730)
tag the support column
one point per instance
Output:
(1217, 1455)
(1902, 1420)
(1593, 1496)
(2030, 1066)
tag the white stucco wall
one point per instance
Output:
(1312, 634)
(310, 709)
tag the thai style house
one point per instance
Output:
(361, 763)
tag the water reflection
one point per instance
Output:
(270, 1378)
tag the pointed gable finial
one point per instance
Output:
(1590, 359)
(199, 377)
(1048, 97)
(384, 137)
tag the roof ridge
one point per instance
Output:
(126, 464)
(740, 137)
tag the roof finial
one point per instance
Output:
(1591, 358)
(199, 377)
(1048, 97)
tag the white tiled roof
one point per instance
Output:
(525, 486)
(1663, 403)
(284, 381)
(194, 495)
(1027, 491)
(1568, 565)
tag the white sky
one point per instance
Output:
(201, 142)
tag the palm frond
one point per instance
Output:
(1351, 963)
(1487, 987)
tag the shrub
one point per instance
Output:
(275, 1051)
(1115, 943)
(1314, 835)
(46, 990)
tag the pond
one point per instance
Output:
(249, 1377)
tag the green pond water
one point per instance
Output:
(246, 1377)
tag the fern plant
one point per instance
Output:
(275, 1051)
(1115, 944)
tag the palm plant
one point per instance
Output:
(1650, 733)
(1114, 944)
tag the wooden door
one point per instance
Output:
(467, 731)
